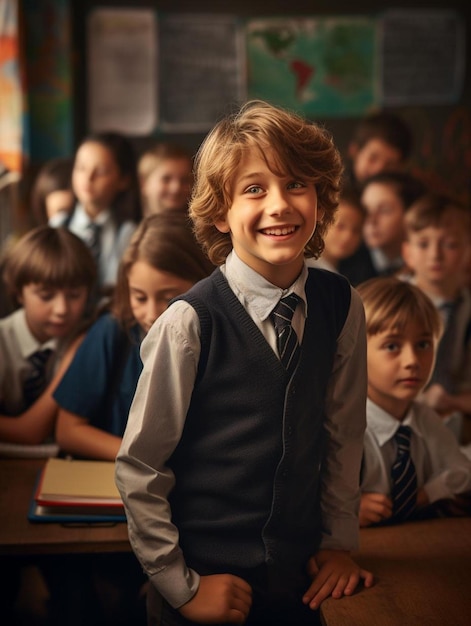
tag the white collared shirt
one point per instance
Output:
(442, 469)
(113, 240)
(17, 344)
(170, 353)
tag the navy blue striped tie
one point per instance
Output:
(36, 381)
(287, 340)
(92, 239)
(404, 477)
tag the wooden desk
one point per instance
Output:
(20, 537)
(422, 577)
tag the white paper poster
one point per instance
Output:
(122, 71)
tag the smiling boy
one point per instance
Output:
(239, 470)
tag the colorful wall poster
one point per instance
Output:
(319, 66)
(11, 100)
(49, 78)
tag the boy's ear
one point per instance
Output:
(223, 225)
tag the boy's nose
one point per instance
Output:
(60, 305)
(278, 202)
(410, 356)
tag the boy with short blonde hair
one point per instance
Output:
(411, 459)
(240, 461)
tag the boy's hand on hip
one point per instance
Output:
(334, 574)
(220, 598)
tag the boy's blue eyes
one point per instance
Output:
(256, 189)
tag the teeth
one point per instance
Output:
(286, 230)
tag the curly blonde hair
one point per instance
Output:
(303, 150)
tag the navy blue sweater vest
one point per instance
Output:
(248, 466)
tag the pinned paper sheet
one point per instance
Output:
(122, 71)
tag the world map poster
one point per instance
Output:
(318, 66)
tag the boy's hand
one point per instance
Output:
(374, 508)
(334, 574)
(221, 598)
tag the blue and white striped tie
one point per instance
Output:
(287, 340)
(403, 477)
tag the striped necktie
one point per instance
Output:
(403, 477)
(36, 380)
(92, 239)
(287, 340)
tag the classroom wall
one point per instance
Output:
(442, 152)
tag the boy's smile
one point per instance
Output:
(399, 365)
(271, 218)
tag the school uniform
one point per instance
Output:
(113, 239)
(202, 383)
(17, 344)
(441, 468)
(100, 382)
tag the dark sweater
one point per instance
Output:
(249, 462)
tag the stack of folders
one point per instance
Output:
(72, 490)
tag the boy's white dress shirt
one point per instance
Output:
(174, 339)
(17, 344)
(442, 469)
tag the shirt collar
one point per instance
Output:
(261, 295)
(382, 263)
(384, 426)
(82, 219)
(27, 342)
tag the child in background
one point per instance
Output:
(165, 177)
(240, 461)
(437, 250)
(52, 198)
(108, 209)
(161, 262)
(50, 272)
(411, 460)
(345, 235)
(386, 197)
(381, 141)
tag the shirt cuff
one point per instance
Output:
(176, 583)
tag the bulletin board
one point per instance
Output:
(155, 72)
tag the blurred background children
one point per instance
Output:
(386, 198)
(344, 236)
(165, 177)
(161, 262)
(381, 141)
(50, 273)
(108, 208)
(437, 251)
(52, 198)
(411, 459)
